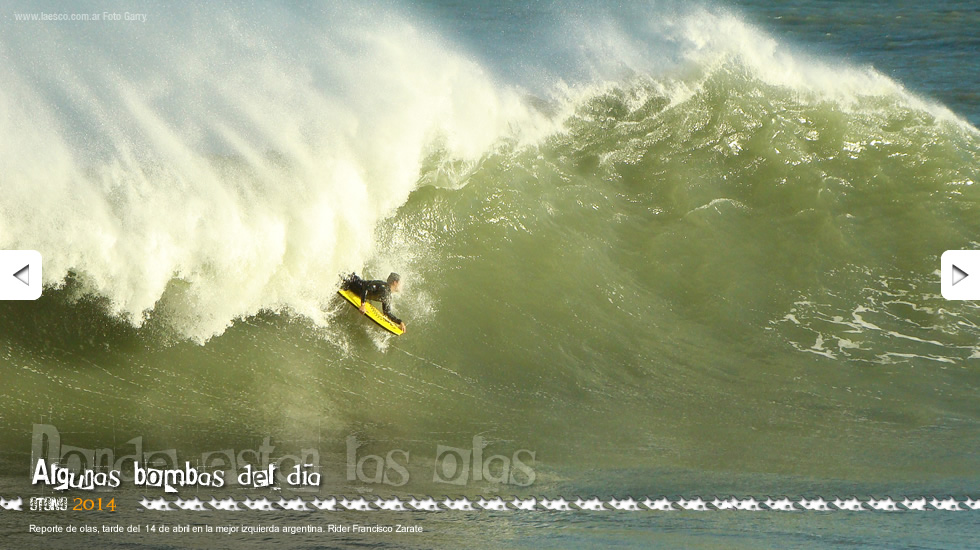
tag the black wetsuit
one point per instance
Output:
(379, 291)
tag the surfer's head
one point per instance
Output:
(395, 282)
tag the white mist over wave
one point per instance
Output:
(692, 43)
(214, 162)
(249, 156)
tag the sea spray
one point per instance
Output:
(229, 167)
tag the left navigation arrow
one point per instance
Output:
(24, 274)
(20, 275)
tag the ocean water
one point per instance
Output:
(650, 249)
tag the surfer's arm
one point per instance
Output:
(396, 320)
(386, 307)
(364, 293)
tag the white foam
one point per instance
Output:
(116, 166)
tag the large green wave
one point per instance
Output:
(731, 265)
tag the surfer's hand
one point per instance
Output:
(402, 326)
(363, 308)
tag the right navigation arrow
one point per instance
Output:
(958, 274)
(955, 267)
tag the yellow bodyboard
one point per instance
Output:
(371, 312)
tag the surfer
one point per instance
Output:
(379, 291)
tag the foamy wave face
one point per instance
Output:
(239, 160)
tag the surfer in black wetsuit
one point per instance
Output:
(379, 291)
